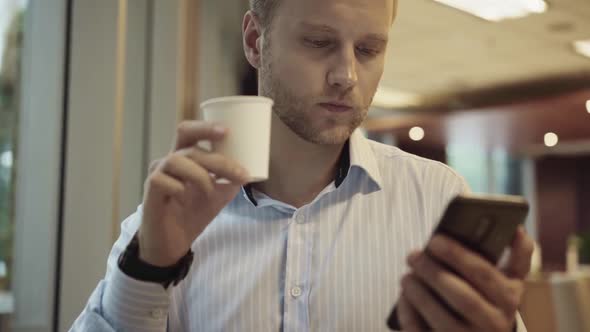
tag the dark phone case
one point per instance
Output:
(483, 224)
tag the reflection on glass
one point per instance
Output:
(11, 27)
(471, 163)
(492, 171)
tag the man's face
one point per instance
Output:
(321, 63)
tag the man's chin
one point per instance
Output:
(333, 136)
(319, 132)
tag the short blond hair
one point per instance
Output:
(264, 10)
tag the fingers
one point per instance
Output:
(221, 166)
(519, 263)
(194, 166)
(455, 292)
(497, 288)
(428, 307)
(409, 318)
(186, 171)
(154, 166)
(188, 133)
(164, 185)
(227, 190)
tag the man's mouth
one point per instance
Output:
(337, 107)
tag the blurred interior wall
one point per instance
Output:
(88, 187)
(563, 201)
(222, 62)
(149, 119)
(437, 153)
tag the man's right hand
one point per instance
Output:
(182, 196)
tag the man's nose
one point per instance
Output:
(343, 75)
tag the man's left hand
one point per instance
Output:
(486, 297)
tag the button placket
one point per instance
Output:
(157, 313)
(296, 291)
(297, 277)
(300, 218)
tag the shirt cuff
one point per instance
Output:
(133, 305)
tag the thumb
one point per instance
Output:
(519, 262)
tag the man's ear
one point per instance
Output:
(252, 38)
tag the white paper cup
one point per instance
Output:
(248, 119)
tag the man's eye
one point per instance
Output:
(367, 51)
(317, 43)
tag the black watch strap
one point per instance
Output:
(135, 268)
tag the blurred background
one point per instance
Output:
(91, 91)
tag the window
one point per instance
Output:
(11, 31)
(493, 171)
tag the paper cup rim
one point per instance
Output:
(235, 99)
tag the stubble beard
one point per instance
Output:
(294, 111)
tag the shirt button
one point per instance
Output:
(157, 313)
(300, 219)
(296, 292)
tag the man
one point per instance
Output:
(322, 244)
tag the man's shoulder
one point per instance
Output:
(392, 156)
(399, 167)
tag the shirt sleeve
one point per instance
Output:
(440, 185)
(121, 303)
(520, 327)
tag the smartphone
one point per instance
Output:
(484, 224)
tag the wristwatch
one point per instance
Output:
(130, 263)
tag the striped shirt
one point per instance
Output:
(333, 264)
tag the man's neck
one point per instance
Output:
(299, 170)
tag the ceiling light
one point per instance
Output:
(498, 10)
(588, 105)
(416, 134)
(391, 98)
(583, 47)
(551, 139)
